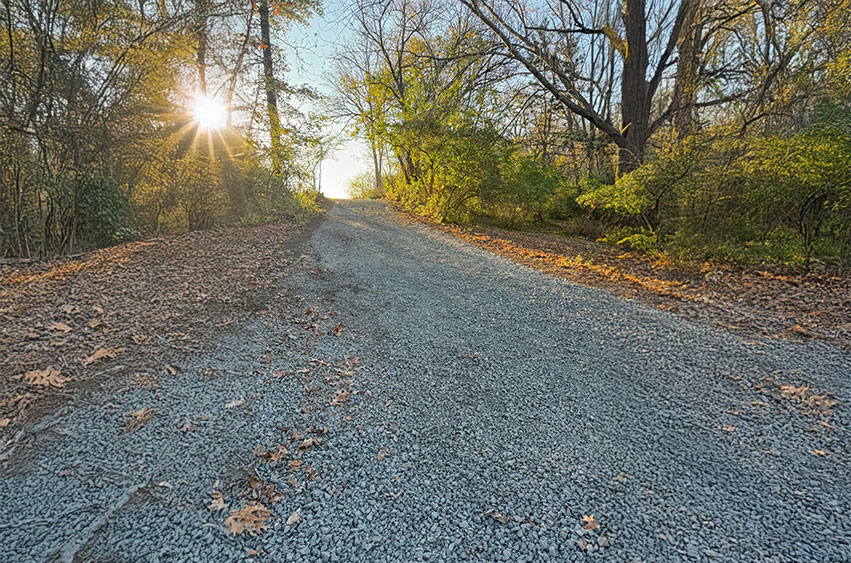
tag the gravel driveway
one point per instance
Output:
(461, 407)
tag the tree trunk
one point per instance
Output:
(269, 75)
(201, 54)
(635, 102)
(686, 81)
(243, 49)
(376, 162)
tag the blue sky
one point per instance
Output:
(311, 63)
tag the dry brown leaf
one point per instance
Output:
(93, 324)
(294, 464)
(218, 503)
(170, 369)
(235, 403)
(4, 422)
(821, 453)
(60, 327)
(501, 518)
(69, 309)
(252, 552)
(728, 428)
(47, 377)
(139, 418)
(103, 354)
(589, 523)
(308, 443)
(340, 398)
(185, 425)
(251, 518)
(294, 517)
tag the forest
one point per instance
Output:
(695, 129)
(121, 120)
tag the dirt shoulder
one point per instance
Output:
(129, 310)
(748, 300)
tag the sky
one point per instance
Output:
(311, 63)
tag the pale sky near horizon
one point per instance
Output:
(311, 63)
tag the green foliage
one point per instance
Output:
(767, 197)
(363, 186)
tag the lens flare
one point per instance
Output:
(210, 113)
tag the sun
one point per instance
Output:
(210, 113)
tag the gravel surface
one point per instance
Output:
(463, 407)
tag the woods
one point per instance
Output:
(691, 128)
(101, 140)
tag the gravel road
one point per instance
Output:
(461, 407)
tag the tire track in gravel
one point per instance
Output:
(490, 408)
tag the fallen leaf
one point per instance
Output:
(295, 464)
(170, 369)
(294, 517)
(251, 518)
(47, 377)
(185, 425)
(501, 518)
(308, 443)
(309, 311)
(139, 418)
(69, 309)
(103, 354)
(61, 327)
(236, 403)
(338, 329)
(93, 324)
(4, 422)
(821, 453)
(728, 428)
(218, 503)
(340, 398)
(590, 523)
(252, 552)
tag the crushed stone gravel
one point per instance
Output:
(463, 408)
